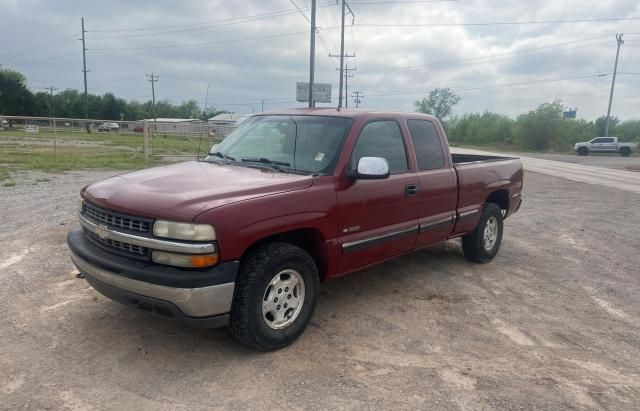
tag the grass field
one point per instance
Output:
(49, 152)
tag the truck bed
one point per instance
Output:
(481, 175)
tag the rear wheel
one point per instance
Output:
(275, 296)
(483, 243)
(625, 151)
(583, 151)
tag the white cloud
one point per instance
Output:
(243, 73)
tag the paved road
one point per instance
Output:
(613, 161)
(608, 177)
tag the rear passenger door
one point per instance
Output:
(608, 144)
(598, 144)
(438, 192)
(378, 218)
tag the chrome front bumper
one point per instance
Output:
(192, 302)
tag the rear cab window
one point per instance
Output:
(426, 143)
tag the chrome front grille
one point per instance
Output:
(116, 220)
(131, 249)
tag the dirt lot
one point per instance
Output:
(552, 323)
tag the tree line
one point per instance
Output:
(541, 129)
(17, 100)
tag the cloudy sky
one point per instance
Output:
(253, 50)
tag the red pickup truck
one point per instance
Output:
(289, 199)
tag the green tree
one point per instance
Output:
(481, 129)
(542, 128)
(629, 130)
(15, 97)
(440, 103)
(602, 121)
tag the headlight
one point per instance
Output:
(184, 231)
(184, 260)
(80, 205)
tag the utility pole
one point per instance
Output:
(52, 113)
(347, 76)
(357, 97)
(312, 53)
(342, 55)
(613, 83)
(153, 78)
(262, 105)
(84, 72)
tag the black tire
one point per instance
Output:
(583, 151)
(473, 244)
(247, 323)
(625, 151)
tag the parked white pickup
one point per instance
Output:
(605, 145)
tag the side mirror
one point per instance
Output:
(370, 168)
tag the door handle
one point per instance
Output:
(411, 190)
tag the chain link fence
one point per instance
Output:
(57, 144)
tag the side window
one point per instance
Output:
(427, 144)
(597, 140)
(607, 140)
(382, 139)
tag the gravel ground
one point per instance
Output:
(552, 323)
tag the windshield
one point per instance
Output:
(307, 144)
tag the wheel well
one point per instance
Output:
(501, 199)
(309, 239)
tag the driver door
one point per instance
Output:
(378, 219)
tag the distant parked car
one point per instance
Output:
(109, 127)
(605, 145)
(31, 128)
(138, 129)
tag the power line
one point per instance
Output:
(47, 59)
(523, 83)
(209, 43)
(212, 23)
(309, 21)
(501, 23)
(298, 8)
(489, 56)
(41, 47)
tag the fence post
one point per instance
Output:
(145, 144)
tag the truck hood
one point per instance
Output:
(182, 191)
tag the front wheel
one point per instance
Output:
(275, 296)
(583, 151)
(483, 243)
(625, 151)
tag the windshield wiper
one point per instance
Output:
(222, 155)
(273, 163)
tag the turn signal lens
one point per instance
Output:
(204, 260)
(184, 260)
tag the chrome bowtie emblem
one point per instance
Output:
(102, 232)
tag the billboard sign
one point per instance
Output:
(321, 92)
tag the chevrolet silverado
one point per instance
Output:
(288, 200)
